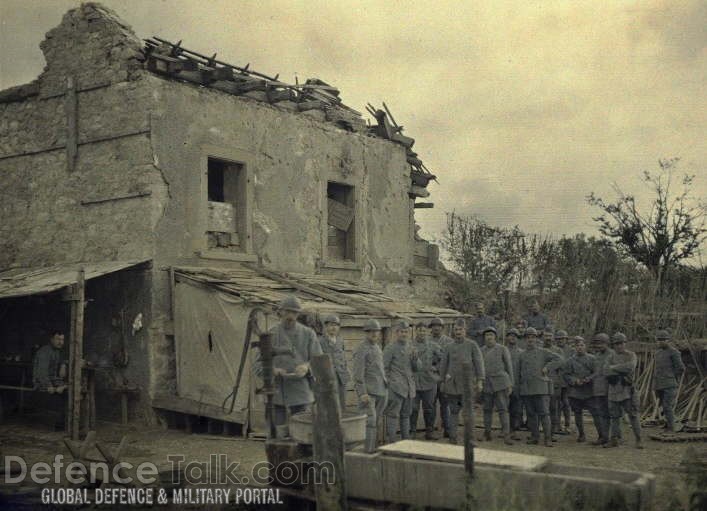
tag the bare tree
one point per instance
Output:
(668, 232)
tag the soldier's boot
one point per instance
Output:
(639, 443)
(390, 429)
(547, 431)
(487, 435)
(566, 413)
(614, 442)
(579, 422)
(488, 419)
(430, 434)
(505, 427)
(534, 438)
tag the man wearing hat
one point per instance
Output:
(333, 345)
(515, 406)
(600, 388)
(293, 345)
(426, 379)
(669, 368)
(369, 380)
(620, 369)
(533, 369)
(536, 319)
(455, 354)
(498, 384)
(578, 371)
(561, 341)
(556, 381)
(400, 361)
(437, 336)
(479, 323)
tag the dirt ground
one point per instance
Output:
(36, 442)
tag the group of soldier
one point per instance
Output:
(537, 378)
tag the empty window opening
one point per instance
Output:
(341, 233)
(226, 204)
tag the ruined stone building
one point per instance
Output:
(157, 171)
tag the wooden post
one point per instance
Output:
(78, 299)
(468, 407)
(72, 124)
(328, 437)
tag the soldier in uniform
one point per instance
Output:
(600, 388)
(620, 368)
(49, 366)
(436, 335)
(455, 354)
(479, 323)
(293, 345)
(578, 372)
(400, 361)
(556, 381)
(535, 386)
(333, 345)
(426, 379)
(498, 385)
(669, 368)
(536, 319)
(369, 380)
(515, 405)
(561, 341)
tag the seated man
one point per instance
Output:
(49, 367)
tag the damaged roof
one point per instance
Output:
(24, 282)
(319, 294)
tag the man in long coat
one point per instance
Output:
(498, 385)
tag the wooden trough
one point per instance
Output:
(431, 474)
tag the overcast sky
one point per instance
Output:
(521, 108)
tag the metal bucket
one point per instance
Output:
(353, 424)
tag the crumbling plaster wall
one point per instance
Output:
(46, 209)
(290, 158)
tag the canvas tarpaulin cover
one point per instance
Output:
(209, 333)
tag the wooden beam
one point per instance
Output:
(76, 355)
(72, 124)
(328, 437)
(424, 205)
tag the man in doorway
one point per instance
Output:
(369, 380)
(333, 345)
(49, 366)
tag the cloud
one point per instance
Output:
(521, 108)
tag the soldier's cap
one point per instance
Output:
(420, 324)
(460, 322)
(618, 338)
(331, 318)
(436, 322)
(489, 329)
(290, 303)
(662, 335)
(531, 332)
(548, 330)
(513, 331)
(600, 338)
(561, 334)
(578, 338)
(371, 325)
(401, 324)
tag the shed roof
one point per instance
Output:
(319, 294)
(18, 282)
